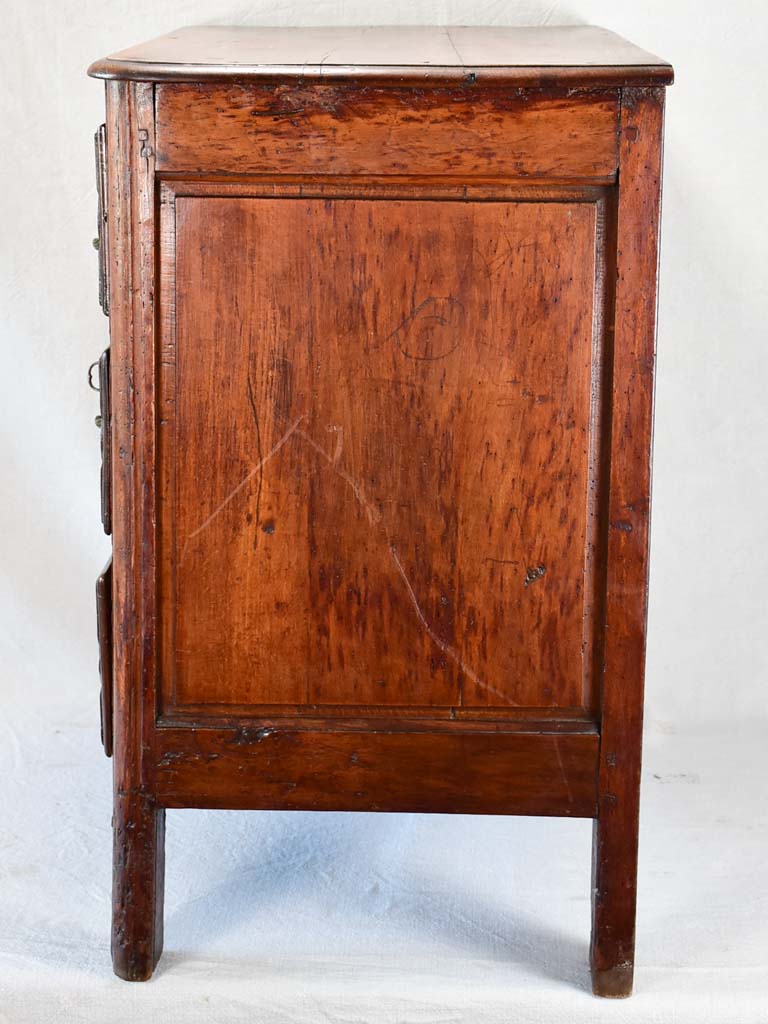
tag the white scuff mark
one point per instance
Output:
(339, 432)
(233, 493)
(561, 766)
(446, 648)
(374, 516)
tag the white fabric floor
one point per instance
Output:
(341, 918)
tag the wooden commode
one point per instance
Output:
(376, 424)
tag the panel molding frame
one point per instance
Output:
(604, 197)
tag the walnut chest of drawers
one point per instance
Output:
(376, 424)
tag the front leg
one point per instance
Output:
(137, 886)
(614, 889)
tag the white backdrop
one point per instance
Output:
(707, 663)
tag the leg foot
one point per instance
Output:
(614, 882)
(614, 983)
(137, 886)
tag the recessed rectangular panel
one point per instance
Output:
(377, 453)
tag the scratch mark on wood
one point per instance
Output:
(259, 454)
(563, 773)
(446, 648)
(339, 432)
(502, 260)
(374, 516)
(233, 493)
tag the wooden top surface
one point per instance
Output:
(566, 55)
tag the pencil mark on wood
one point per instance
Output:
(422, 326)
(502, 260)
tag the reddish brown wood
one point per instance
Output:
(616, 828)
(362, 129)
(380, 470)
(138, 821)
(572, 55)
(138, 882)
(277, 766)
(305, 565)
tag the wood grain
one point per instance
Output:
(513, 56)
(470, 772)
(138, 827)
(616, 829)
(138, 822)
(380, 492)
(347, 129)
(381, 379)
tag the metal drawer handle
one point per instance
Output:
(91, 368)
(100, 243)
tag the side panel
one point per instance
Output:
(196, 752)
(378, 450)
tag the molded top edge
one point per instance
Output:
(566, 55)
